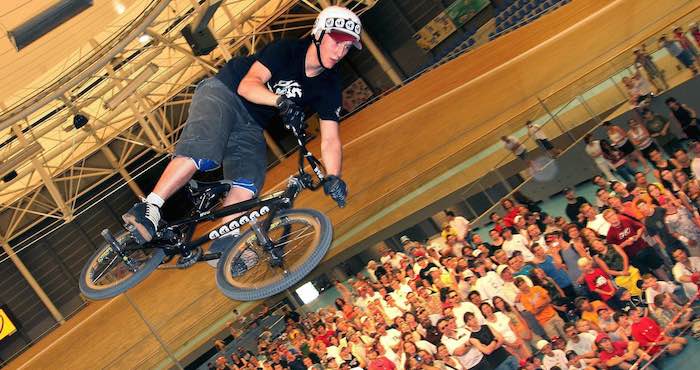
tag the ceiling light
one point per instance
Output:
(119, 8)
(145, 39)
(79, 120)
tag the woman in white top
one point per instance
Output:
(594, 151)
(640, 137)
(502, 324)
(619, 139)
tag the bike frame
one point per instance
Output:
(276, 201)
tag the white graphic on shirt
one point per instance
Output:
(337, 112)
(290, 89)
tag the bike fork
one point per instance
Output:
(116, 247)
(267, 244)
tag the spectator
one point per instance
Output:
(503, 325)
(613, 260)
(685, 116)
(458, 345)
(639, 90)
(512, 209)
(536, 133)
(537, 301)
(599, 282)
(514, 146)
(553, 358)
(640, 138)
(594, 221)
(490, 343)
(595, 151)
(684, 225)
(651, 337)
(659, 128)
(517, 242)
(627, 234)
(573, 203)
(620, 141)
(687, 272)
(682, 55)
(655, 74)
(670, 316)
(583, 344)
(619, 354)
(552, 267)
(680, 37)
(617, 160)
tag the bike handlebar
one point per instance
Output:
(316, 166)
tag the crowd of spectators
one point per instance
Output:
(605, 283)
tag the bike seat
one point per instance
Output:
(198, 187)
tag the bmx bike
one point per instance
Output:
(278, 248)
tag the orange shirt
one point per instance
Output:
(592, 316)
(535, 298)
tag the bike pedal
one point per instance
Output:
(135, 234)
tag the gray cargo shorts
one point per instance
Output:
(220, 129)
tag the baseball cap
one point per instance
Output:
(541, 344)
(476, 252)
(404, 239)
(566, 190)
(500, 268)
(600, 337)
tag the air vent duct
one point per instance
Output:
(39, 25)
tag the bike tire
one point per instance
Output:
(90, 292)
(224, 275)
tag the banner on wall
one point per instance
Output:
(435, 31)
(461, 11)
(357, 93)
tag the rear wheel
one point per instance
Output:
(105, 275)
(302, 237)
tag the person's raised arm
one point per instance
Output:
(331, 147)
(252, 86)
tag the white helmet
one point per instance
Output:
(340, 19)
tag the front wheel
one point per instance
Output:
(301, 236)
(105, 275)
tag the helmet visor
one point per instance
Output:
(339, 36)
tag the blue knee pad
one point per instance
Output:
(246, 184)
(205, 165)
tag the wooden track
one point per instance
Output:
(420, 133)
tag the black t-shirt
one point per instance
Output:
(572, 209)
(292, 315)
(286, 61)
(485, 336)
(656, 225)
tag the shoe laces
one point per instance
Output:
(152, 214)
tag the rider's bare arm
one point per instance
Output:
(331, 147)
(252, 86)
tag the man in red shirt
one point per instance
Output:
(651, 337)
(627, 233)
(619, 354)
(324, 334)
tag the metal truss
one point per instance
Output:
(136, 103)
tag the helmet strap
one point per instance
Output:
(317, 42)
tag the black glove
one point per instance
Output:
(336, 189)
(292, 115)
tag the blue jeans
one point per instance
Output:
(625, 172)
(511, 363)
